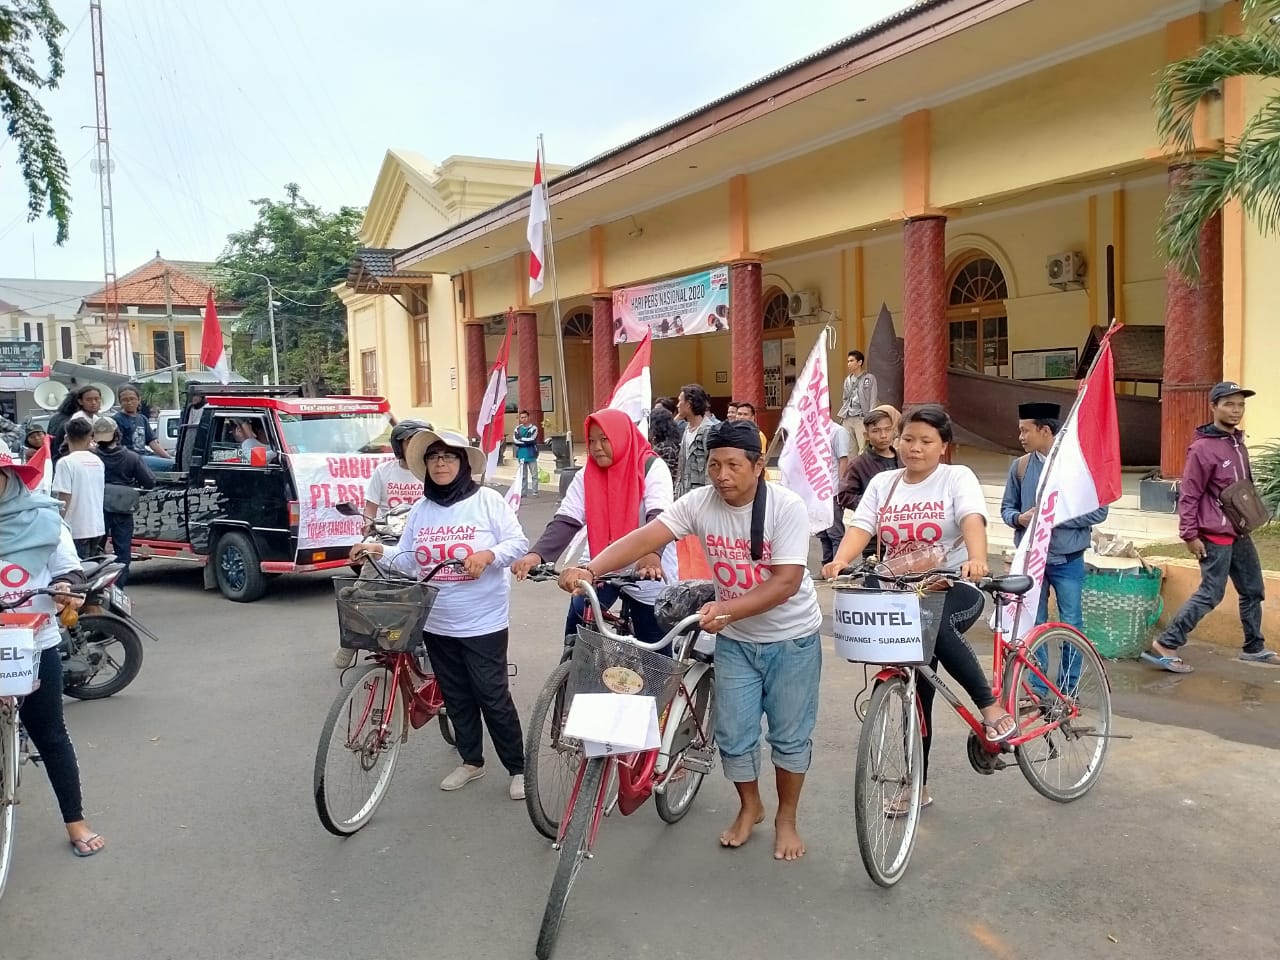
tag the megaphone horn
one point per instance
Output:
(108, 395)
(50, 394)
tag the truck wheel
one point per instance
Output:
(237, 569)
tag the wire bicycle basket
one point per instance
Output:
(382, 615)
(604, 665)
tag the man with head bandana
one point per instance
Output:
(766, 617)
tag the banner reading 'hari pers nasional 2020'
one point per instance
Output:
(698, 303)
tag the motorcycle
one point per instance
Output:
(386, 528)
(101, 648)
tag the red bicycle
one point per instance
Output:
(392, 691)
(684, 693)
(1052, 680)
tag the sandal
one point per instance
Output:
(993, 733)
(1170, 663)
(86, 842)
(897, 807)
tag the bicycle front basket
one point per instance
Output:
(878, 625)
(385, 615)
(604, 665)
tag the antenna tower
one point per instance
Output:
(117, 358)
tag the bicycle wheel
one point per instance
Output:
(698, 733)
(550, 760)
(8, 786)
(573, 850)
(1067, 761)
(356, 757)
(890, 772)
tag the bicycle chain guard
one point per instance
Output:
(983, 762)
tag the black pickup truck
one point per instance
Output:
(258, 478)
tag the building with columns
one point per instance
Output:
(987, 170)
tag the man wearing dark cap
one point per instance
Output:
(1038, 424)
(1216, 459)
(765, 616)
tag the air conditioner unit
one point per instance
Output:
(803, 305)
(1063, 269)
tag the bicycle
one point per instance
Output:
(14, 748)
(550, 758)
(392, 691)
(1060, 706)
(684, 693)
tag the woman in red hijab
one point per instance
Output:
(623, 486)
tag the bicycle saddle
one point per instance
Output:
(1013, 584)
(681, 600)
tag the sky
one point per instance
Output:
(214, 105)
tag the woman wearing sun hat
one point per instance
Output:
(466, 631)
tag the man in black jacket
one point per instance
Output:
(123, 471)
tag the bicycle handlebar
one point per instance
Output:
(547, 571)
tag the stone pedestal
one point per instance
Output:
(604, 355)
(1192, 344)
(925, 311)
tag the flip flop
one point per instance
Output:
(993, 736)
(1262, 656)
(1172, 664)
(75, 846)
(893, 813)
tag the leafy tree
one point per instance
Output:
(1247, 170)
(43, 167)
(305, 251)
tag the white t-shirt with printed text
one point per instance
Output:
(659, 494)
(15, 581)
(927, 512)
(392, 485)
(725, 533)
(432, 533)
(80, 474)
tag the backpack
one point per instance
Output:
(1023, 461)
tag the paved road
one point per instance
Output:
(200, 777)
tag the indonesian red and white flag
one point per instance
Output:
(40, 458)
(213, 353)
(806, 463)
(491, 422)
(1081, 474)
(538, 207)
(634, 392)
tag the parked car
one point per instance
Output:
(257, 483)
(166, 427)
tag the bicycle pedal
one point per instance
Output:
(699, 761)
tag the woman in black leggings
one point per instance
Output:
(36, 552)
(935, 511)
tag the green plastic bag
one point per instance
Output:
(544, 476)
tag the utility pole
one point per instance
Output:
(173, 360)
(271, 318)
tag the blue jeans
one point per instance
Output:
(1067, 580)
(120, 530)
(158, 464)
(643, 620)
(778, 681)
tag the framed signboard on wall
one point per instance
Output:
(1058, 363)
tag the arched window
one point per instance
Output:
(978, 319)
(578, 325)
(779, 348)
(777, 312)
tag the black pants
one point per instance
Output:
(961, 611)
(472, 673)
(41, 714)
(120, 530)
(1238, 561)
(90, 547)
(830, 538)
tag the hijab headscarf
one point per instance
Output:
(614, 493)
(30, 525)
(457, 490)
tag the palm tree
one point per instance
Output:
(1247, 170)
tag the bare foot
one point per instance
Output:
(739, 831)
(787, 844)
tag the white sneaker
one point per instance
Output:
(517, 787)
(344, 658)
(461, 777)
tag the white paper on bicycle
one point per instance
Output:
(871, 627)
(18, 657)
(609, 723)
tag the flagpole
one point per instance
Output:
(555, 302)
